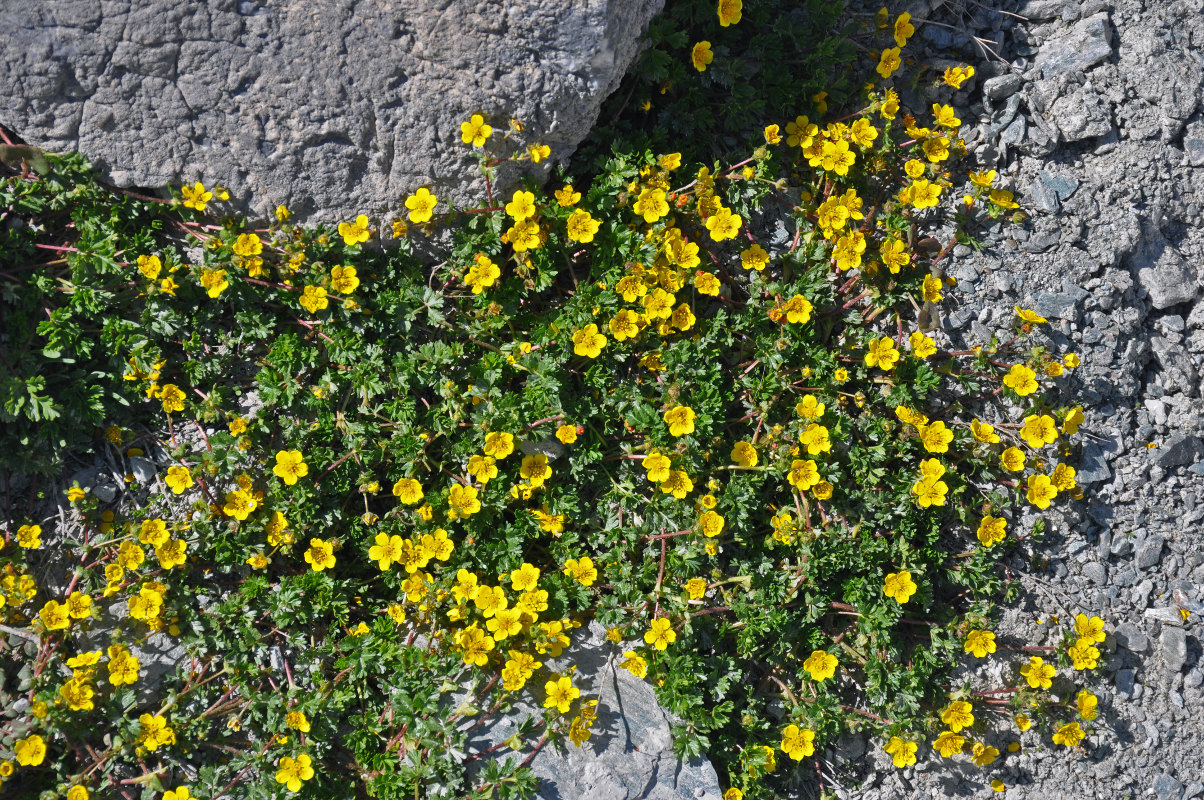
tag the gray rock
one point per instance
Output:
(1095, 572)
(331, 107)
(1162, 271)
(631, 751)
(1173, 648)
(1093, 467)
(143, 469)
(1193, 790)
(1179, 450)
(1193, 145)
(1060, 305)
(1167, 615)
(1167, 788)
(105, 492)
(1087, 43)
(1002, 86)
(1125, 681)
(1149, 553)
(1195, 319)
(1081, 115)
(1131, 637)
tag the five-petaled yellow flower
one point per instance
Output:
(680, 420)
(421, 205)
(292, 771)
(660, 634)
(356, 232)
(701, 55)
(475, 131)
(899, 586)
(320, 555)
(798, 742)
(290, 465)
(196, 197)
(820, 665)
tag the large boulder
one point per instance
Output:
(333, 107)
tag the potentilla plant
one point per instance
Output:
(391, 494)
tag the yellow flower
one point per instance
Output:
(196, 196)
(979, 642)
(803, 474)
(1038, 431)
(921, 346)
(723, 224)
(356, 232)
(499, 444)
(957, 715)
(320, 555)
(581, 227)
(567, 434)
(475, 131)
(1090, 629)
(701, 55)
(408, 491)
(462, 501)
(344, 280)
(292, 772)
(560, 694)
(539, 152)
(797, 742)
(696, 588)
(172, 398)
(711, 524)
(421, 205)
(566, 196)
(660, 634)
(581, 570)
(956, 76)
(178, 478)
(930, 492)
(899, 586)
(820, 665)
(1086, 704)
(889, 62)
(935, 437)
(30, 751)
(290, 465)
(29, 536)
(744, 454)
(983, 432)
(78, 792)
(982, 755)
(1041, 491)
(1031, 317)
(1012, 459)
(635, 664)
(949, 744)
(992, 530)
(588, 341)
(680, 420)
(730, 12)
(1038, 674)
(1069, 735)
(731, 794)
(902, 753)
(773, 134)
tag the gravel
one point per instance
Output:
(1094, 118)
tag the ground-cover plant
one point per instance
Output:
(384, 483)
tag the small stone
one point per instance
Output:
(1004, 86)
(1079, 116)
(1125, 681)
(1193, 791)
(1167, 788)
(1178, 451)
(1164, 614)
(1095, 572)
(143, 469)
(1150, 552)
(1131, 637)
(1173, 648)
(1059, 305)
(105, 492)
(1093, 467)
(1086, 44)
(1157, 410)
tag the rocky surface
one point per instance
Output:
(333, 107)
(630, 754)
(1095, 119)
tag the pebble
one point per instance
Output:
(1167, 788)
(1095, 572)
(1150, 552)
(1173, 648)
(1130, 636)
